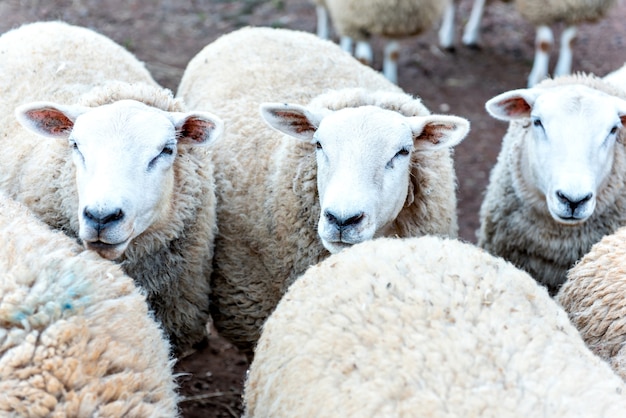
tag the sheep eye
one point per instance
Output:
(614, 130)
(403, 152)
(167, 150)
(318, 145)
(537, 123)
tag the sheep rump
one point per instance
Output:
(268, 205)
(426, 326)
(76, 335)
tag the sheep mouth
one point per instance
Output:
(106, 250)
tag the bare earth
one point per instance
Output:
(166, 34)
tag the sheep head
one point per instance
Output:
(124, 154)
(570, 133)
(363, 162)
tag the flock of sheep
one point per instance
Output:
(307, 206)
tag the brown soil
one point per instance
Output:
(166, 34)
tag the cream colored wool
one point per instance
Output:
(76, 336)
(593, 296)
(515, 222)
(424, 327)
(268, 205)
(571, 12)
(68, 64)
(360, 19)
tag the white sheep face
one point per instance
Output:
(363, 162)
(124, 154)
(569, 148)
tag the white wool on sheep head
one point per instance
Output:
(363, 162)
(124, 155)
(570, 135)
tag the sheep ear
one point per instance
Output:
(293, 120)
(197, 128)
(49, 119)
(514, 104)
(438, 131)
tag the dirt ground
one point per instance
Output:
(166, 34)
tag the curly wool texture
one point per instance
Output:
(593, 296)
(571, 12)
(515, 222)
(268, 206)
(359, 19)
(172, 259)
(424, 327)
(76, 336)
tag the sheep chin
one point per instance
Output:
(108, 251)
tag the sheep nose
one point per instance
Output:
(571, 202)
(99, 219)
(342, 223)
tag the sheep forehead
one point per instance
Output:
(370, 130)
(125, 125)
(577, 106)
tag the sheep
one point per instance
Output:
(558, 185)
(358, 20)
(121, 167)
(593, 297)
(542, 14)
(424, 327)
(76, 335)
(286, 201)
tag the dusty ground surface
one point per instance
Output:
(165, 34)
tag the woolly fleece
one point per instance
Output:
(571, 12)
(359, 19)
(268, 207)
(515, 222)
(424, 327)
(593, 296)
(76, 336)
(172, 259)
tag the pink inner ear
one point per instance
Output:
(297, 121)
(434, 132)
(50, 120)
(196, 130)
(515, 106)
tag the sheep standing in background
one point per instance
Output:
(424, 327)
(76, 335)
(559, 183)
(359, 20)
(542, 14)
(355, 163)
(593, 296)
(122, 168)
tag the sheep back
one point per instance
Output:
(74, 65)
(514, 221)
(593, 297)
(424, 326)
(268, 206)
(76, 336)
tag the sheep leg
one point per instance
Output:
(390, 61)
(471, 34)
(446, 31)
(345, 42)
(363, 52)
(564, 63)
(322, 22)
(543, 43)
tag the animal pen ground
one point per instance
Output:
(166, 34)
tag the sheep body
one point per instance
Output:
(359, 20)
(83, 69)
(424, 326)
(515, 221)
(76, 335)
(593, 297)
(268, 203)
